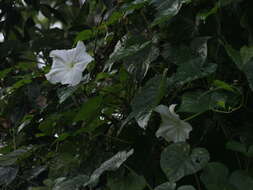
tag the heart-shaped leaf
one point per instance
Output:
(177, 160)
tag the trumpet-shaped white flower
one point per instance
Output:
(172, 127)
(68, 65)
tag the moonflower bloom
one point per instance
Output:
(172, 127)
(68, 65)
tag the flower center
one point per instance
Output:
(71, 64)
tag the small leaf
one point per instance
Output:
(224, 85)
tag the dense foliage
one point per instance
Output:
(119, 128)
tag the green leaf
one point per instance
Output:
(12, 157)
(71, 184)
(65, 93)
(84, 35)
(236, 146)
(146, 100)
(234, 55)
(192, 70)
(4, 73)
(166, 9)
(137, 57)
(186, 187)
(241, 180)
(177, 161)
(243, 60)
(194, 102)
(130, 181)
(47, 126)
(166, 186)
(7, 175)
(215, 174)
(246, 54)
(217, 99)
(250, 151)
(224, 85)
(112, 164)
(90, 109)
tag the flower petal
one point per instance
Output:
(80, 54)
(72, 78)
(68, 65)
(172, 127)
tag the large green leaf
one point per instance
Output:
(191, 61)
(243, 60)
(172, 186)
(71, 184)
(65, 92)
(130, 181)
(186, 187)
(166, 9)
(109, 165)
(221, 98)
(178, 161)
(90, 109)
(166, 186)
(192, 70)
(214, 176)
(146, 100)
(12, 157)
(136, 57)
(241, 180)
(7, 175)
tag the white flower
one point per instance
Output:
(68, 65)
(172, 127)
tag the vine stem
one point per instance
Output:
(197, 181)
(193, 116)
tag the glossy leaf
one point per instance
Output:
(146, 100)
